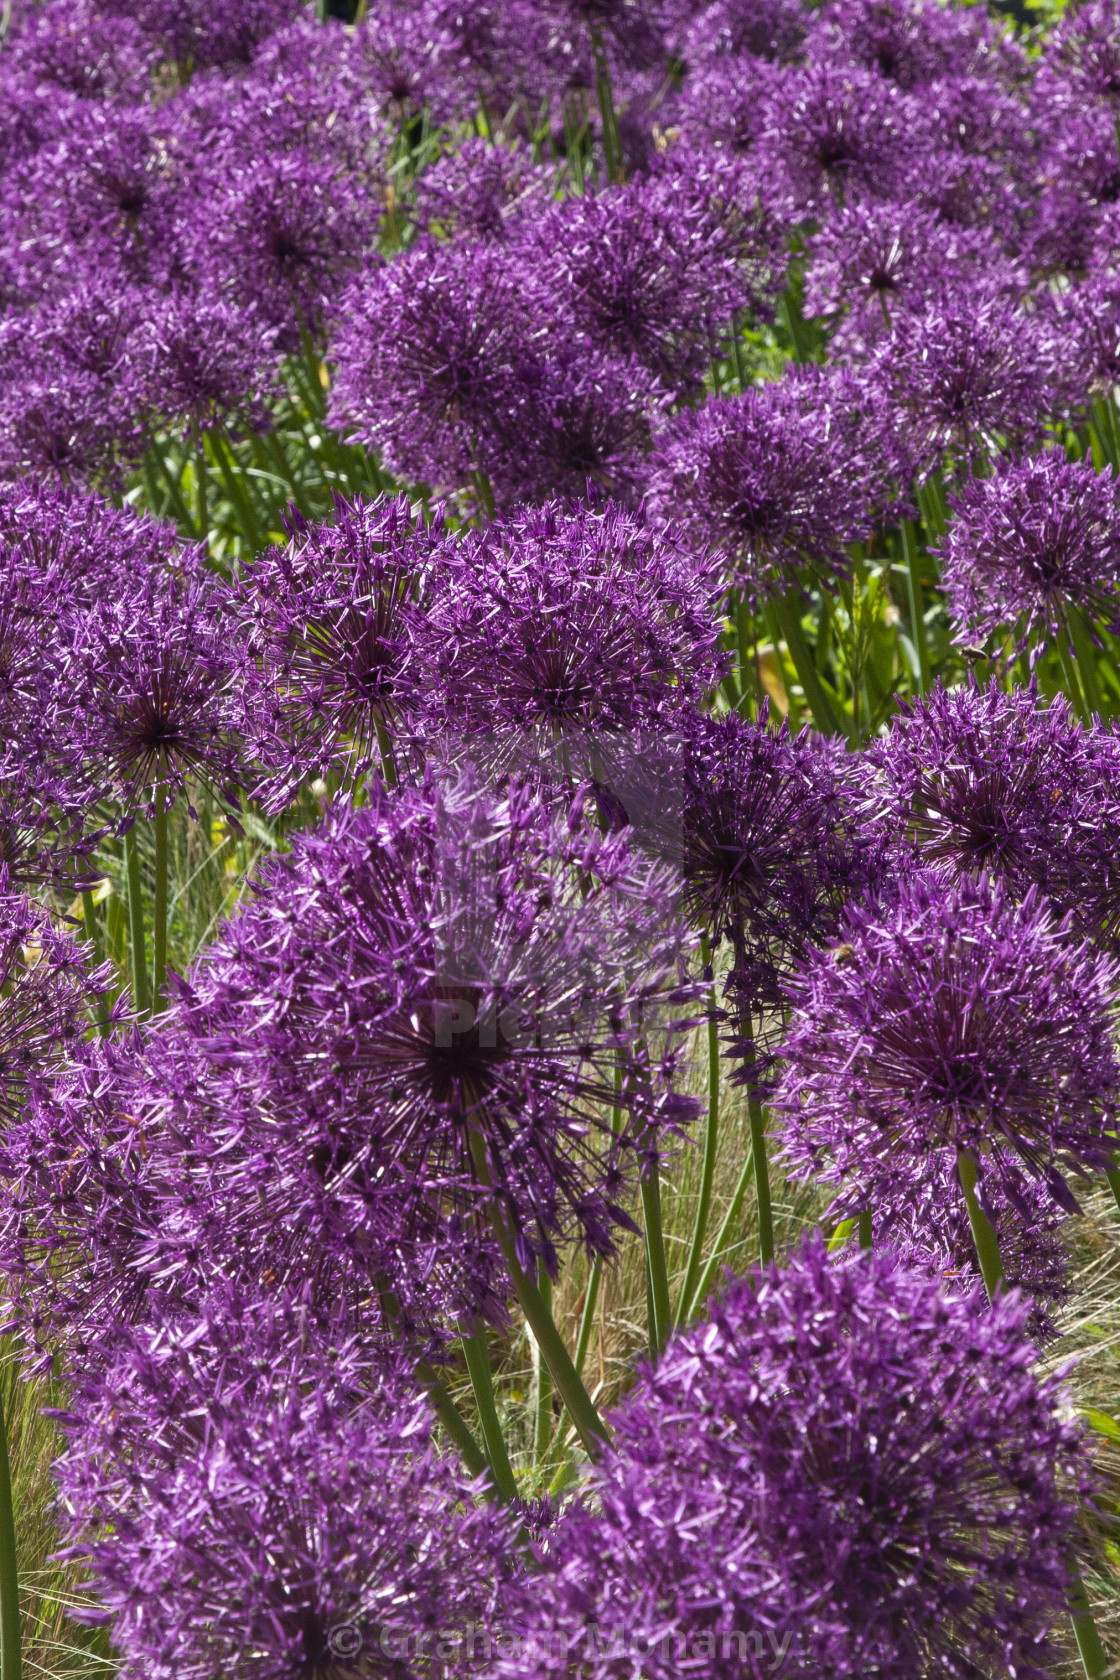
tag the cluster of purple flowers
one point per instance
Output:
(660, 319)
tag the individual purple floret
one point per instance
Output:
(151, 699)
(428, 1004)
(772, 849)
(570, 618)
(969, 373)
(916, 1208)
(779, 479)
(250, 1497)
(331, 622)
(1037, 538)
(844, 1471)
(952, 1018)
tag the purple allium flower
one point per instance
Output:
(835, 133)
(570, 618)
(151, 699)
(1079, 177)
(252, 1498)
(779, 478)
(482, 190)
(772, 849)
(1085, 48)
(969, 372)
(433, 350)
(1088, 322)
(916, 1207)
(724, 101)
(913, 42)
(870, 259)
(42, 823)
(198, 359)
(331, 620)
(83, 49)
(429, 1000)
(843, 1472)
(1038, 537)
(197, 34)
(771, 29)
(75, 549)
(952, 1017)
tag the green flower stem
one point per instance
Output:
(917, 603)
(787, 615)
(89, 917)
(543, 1428)
(744, 655)
(453, 1421)
(661, 1320)
(140, 992)
(587, 1321)
(159, 906)
(707, 1171)
(612, 144)
(1086, 659)
(1113, 1176)
(234, 481)
(761, 1170)
(1069, 672)
(569, 1385)
(865, 1234)
(10, 1641)
(385, 751)
(1084, 1627)
(723, 1240)
(477, 1356)
(983, 1236)
(201, 497)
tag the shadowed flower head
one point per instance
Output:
(832, 134)
(1040, 536)
(251, 1498)
(430, 1001)
(331, 620)
(482, 191)
(913, 42)
(952, 1017)
(780, 478)
(843, 1472)
(571, 618)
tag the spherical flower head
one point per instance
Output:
(194, 34)
(76, 548)
(482, 191)
(917, 1209)
(772, 848)
(843, 1471)
(425, 1007)
(571, 618)
(771, 29)
(970, 372)
(834, 133)
(912, 42)
(255, 1500)
(779, 479)
(432, 351)
(83, 49)
(1037, 538)
(152, 699)
(200, 359)
(331, 622)
(1085, 48)
(952, 1017)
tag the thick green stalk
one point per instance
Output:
(89, 917)
(865, 1233)
(453, 1421)
(983, 1236)
(1113, 1176)
(1069, 672)
(543, 1424)
(201, 497)
(1085, 1628)
(917, 603)
(10, 1640)
(744, 654)
(159, 907)
(477, 1355)
(587, 1321)
(1086, 659)
(661, 1321)
(761, 1170)
(723, 1240)
(787, 612)
(707, 1172)
(140, 992)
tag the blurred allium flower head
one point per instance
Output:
(570, 618)
(431, 1000)
(969, 371)
(772, 848)
(835, 133)
(82, 48)
(199, 35)
(331, 620)
(730, 29)
(1037, 538)
(843, 1471)
(1085, 47)
(778, 479)
(952, 1017)
(200, 359)
(911, 42)
(251, 1498)
(482, 191)
(152, 702)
